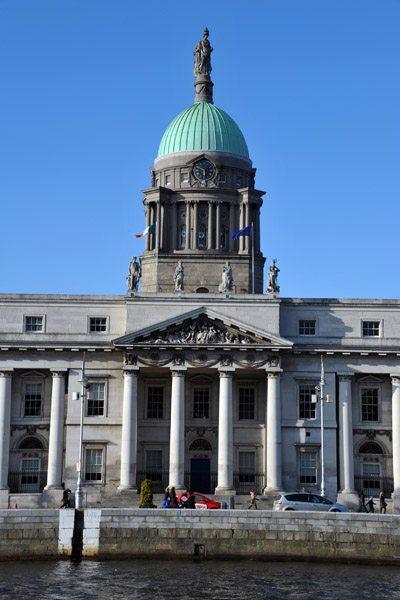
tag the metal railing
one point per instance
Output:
(372, 486)
(25, 482)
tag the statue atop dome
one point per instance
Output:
(202, 56)
(202, 69)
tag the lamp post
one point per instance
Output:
(83, 382)
(320, 394)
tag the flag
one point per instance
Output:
(245, 231)
(149, 229)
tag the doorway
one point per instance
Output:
(200, 475)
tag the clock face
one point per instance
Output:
(203, 170)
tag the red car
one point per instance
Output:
(203, 502)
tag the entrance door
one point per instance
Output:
(200, 475)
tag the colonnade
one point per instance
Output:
(273, 459)
(239, 216)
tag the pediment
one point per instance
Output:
(33, 375)
(202, 327)
(369, 379)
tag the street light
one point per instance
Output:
(84, 387)
(320, 395)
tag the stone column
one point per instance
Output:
(225, 434)
(162, 226)
(232, 210)
(177, 430)
(195, 225)
(247, 222)
(187, 239)
(129, 430)
(217, 224)
(346, 451)
(210, 227)
(5, 422)
(273, 434)
(241, 226)
(173, 238)
(396, 436)
(147, 237)
(157, 237)
(56, 437)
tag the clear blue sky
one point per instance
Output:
(89, 87)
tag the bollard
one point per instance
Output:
(231, 502)
(224, 505)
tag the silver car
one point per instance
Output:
(307, 501)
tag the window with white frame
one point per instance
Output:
(97, 324)
(307, 327)
(94, 464)
(34, 324)
(306, 406)
(308, 467)
(247, 467)
(370, 404)
(33, 400)
(184, 177)
(155, 402)
(168, 180)
(246, 403)
(154, 465)
(371, 328)
(29, 475)
(201, 403)
(96, 399)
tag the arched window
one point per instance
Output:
(182, 236)
(31, 443)
(203, 236)
(370, 448)
(202, 290)
(223, 237)
(200, 444)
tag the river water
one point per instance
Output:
(197, 580)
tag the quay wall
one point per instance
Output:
(231, 534)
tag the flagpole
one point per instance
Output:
(252, 257)
(156, 257)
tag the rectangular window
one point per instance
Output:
(33, 324)
(33, 400)
(168, 180)
(95, 400)
(307, 327)
(370, 404)
(306, 407)
(247, 467)
(308, 467)
(30, 475)
(154, 465)
(246, 403)
(371, 478)
(94, 464)
(222, 178)
(184, 177)
(155, 402)
(238, 182)
(98, 324)
(201, 399)
(371, 328)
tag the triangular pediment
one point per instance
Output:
(200, 327)
(369, 379)
(33, 375)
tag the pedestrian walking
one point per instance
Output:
(382, 503)
(66, 498)
(362, 507)
(253, 500)
(371, 504)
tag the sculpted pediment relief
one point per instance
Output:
(202, 327)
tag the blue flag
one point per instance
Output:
(245, 231)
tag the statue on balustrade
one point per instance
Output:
(134, 275)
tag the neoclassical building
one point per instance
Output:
(197, 378)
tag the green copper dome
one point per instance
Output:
(203, 126)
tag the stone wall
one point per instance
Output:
(29, 534)
(173, 534)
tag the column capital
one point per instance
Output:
(6, 373)
(130, 370)
(395, 379)
(178, 372)
(273, 374)
(345, 376)
(59, 373)
(226, 372)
